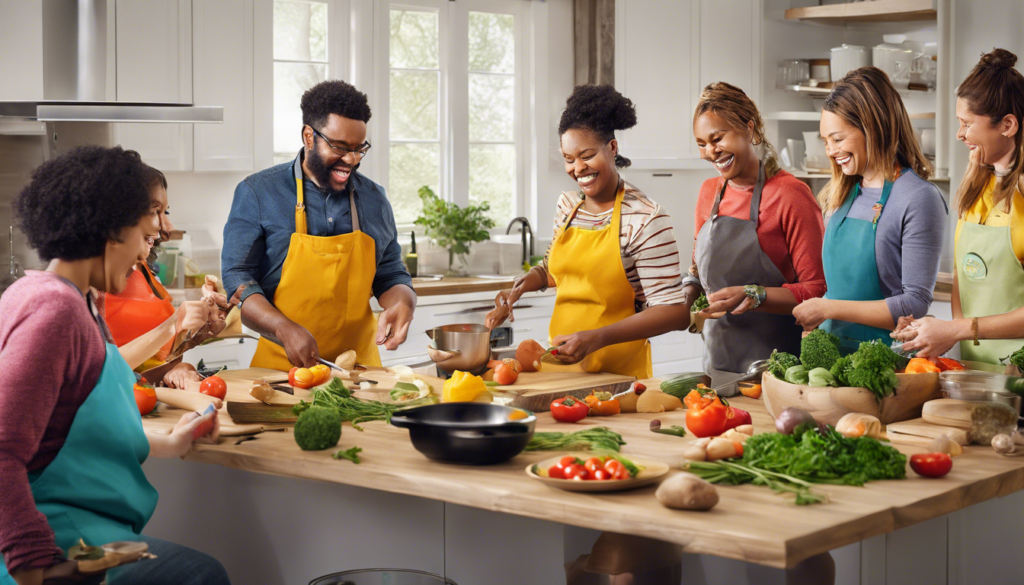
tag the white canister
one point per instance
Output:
(894, 57)
(847, 58)
(821, 70)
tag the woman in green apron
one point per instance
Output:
(886, 222)
(988, 283)
(71, 438)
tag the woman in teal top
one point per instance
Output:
(71, 437)
(886, 222)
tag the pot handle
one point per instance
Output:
(438, 356)
(431, 332)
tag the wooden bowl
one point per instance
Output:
(828, 405)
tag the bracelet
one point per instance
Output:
(756, 293)
(974, 330)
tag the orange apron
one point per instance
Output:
(593, 292)
(326, 286)
(137, 310)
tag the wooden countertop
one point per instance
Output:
(454, 286)
(750, 523)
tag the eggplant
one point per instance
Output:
(791, 418)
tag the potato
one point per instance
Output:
(657, 401)
(746, 430)
(734, 435)
(627, 401)
(347, 360)
(720, 448)
(685, 491)
(694, 452)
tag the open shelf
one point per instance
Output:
(876, 11)
(802, 116)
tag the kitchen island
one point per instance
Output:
(495, 525)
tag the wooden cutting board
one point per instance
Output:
(534, 391)
(919, 432)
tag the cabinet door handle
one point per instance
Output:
(478, 310)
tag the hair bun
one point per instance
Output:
(999, 58)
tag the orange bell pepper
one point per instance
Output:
(921, 366)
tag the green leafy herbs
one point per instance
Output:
(819, 349)
(700, 304)
(792, 463)
(336, 396)
(451, 226)
(1017, 359)
(872, 366)
(592, 439)
(781, 361)
(350, 454)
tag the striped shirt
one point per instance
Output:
(650, 255)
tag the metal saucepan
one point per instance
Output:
(465, 347)
(468, 433)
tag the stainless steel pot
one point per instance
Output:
(465, 347)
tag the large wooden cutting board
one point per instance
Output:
(919, 432)
(535, 390)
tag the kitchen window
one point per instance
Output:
(455, 84)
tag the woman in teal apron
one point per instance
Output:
(885, 225)
(988, 283)
(88, 213)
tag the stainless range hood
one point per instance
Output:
(74, 41)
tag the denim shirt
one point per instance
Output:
(262, 221)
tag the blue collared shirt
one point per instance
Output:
(262, 221)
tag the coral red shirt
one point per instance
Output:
(790, 228)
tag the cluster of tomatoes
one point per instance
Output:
(595, 468)
(306, 378)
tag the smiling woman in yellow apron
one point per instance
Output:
(988, 283)
(613, 260)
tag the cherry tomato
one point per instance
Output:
(555, 472)
(622, 473)
(566, 461)
(214, 386)
(576, 472)
(931, 464)
(600, 475)
(639, 388)
(612, 466)
(593, 464)
(145, 398)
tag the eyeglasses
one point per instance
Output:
(341, 150)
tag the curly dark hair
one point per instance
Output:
(333, 97)
(81, 200)
(600, 109)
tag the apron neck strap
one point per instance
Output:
(620, 193)
(300, 203)
(352, 206)
(755, 198)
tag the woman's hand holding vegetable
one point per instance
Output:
(932, 337)
(573, 348)
(180, 440)
(732, 299)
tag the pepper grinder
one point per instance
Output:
(412, 259)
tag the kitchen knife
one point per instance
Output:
(352, 376)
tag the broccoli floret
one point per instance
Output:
(820, 349)
(781, 361)
(318, 427)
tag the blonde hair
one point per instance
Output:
(729, 102)
(867, 100)
(993, 89)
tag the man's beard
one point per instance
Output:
(321, 172)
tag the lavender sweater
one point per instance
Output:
(908, 242)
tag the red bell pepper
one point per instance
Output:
(709, 420)
(569, 409)
(737, 417)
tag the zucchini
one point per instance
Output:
(680, 385)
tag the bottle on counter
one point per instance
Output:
(412, 259)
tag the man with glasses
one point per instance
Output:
(308, 243)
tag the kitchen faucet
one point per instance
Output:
(525, 229)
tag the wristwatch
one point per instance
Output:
(756, 293)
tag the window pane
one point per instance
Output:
(290, 81)
(491, 42)
(491, 107)
(411, 167)
(414, 109)
(300, 31)
(492, 178)
(415, 39)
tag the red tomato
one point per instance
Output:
(600, 474)
(566, 461)
(613, 466)
(709, 421)
(931, 464)
(505, 374)
(569, 409)
(145, 398)
(593, 464)
(214, 386)
(622, 473)
(555, 472)
(576, 472)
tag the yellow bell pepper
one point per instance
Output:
(462, 387)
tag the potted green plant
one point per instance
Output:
(452, 227)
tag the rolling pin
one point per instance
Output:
(186, 400)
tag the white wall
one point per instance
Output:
(21, 34)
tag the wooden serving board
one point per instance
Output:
(919, 432)
(535, 390)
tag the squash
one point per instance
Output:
(679, 386)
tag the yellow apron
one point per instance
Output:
(593, 292)
(326, 285)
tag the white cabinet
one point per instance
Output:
(222, 41)
(188, 51)
(154, 64)
(665, 53)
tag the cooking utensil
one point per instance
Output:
(465, 347)
(466, 433)
(754, 371)
(650, 471)
(191, 340)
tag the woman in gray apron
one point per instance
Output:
(988, 283)
(886, 222)
(757, 242)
